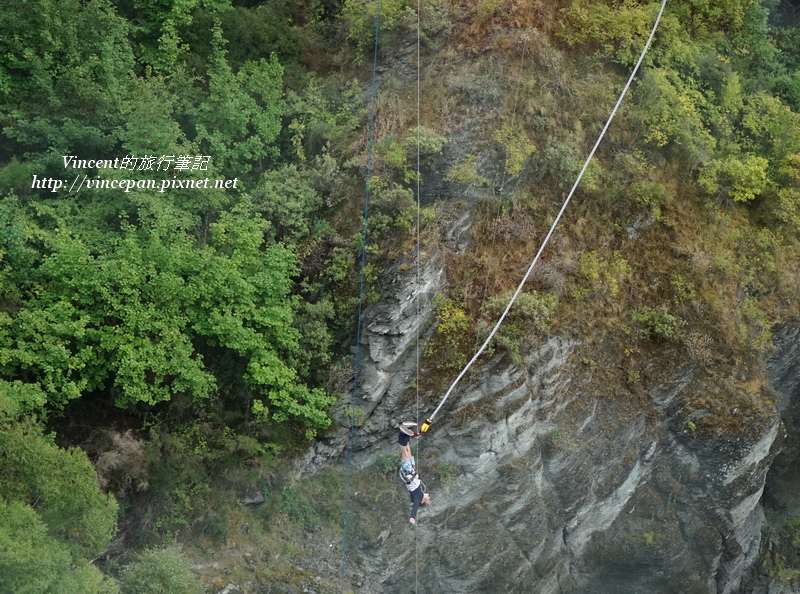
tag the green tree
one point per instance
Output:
(157, 26)
(320, 116)
(618, 27)
(135, 313)
(30, 559)
(787, 202)
(241, 118)
(64, 69)
(672, 112)
(150, 123)
(32, 562)
(740, 180)
(769, 128)
(359, 18)
(287, 198)
(60, 486)
(18, 398)
(160, 571)
(261, 31)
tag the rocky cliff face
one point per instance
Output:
(546, 480)
(776, 572)
(547, 476)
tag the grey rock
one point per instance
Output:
(559, 488)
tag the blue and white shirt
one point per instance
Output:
(408, 474)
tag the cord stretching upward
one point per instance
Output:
(427, 423)
(370, 142)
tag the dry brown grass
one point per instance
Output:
(123, 466)
(482, 20)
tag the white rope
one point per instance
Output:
(419, 175)
(418, 289)
(557, 219)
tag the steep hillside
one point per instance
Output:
(620, 434)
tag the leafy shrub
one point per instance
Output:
(61, 486)
(386, 462)
(756, 328)
(465, 172)
(297, 506)
(484, 9)
(657, 323)
(160, 571)
(740, 180)
(453, 334)
(359, 18)
(599, 275)
(435, 19)
(529, 316)
(682, 289)
(672, 113)
(617, 28)
(634, 177)
(259, 32)
(516, 146)
(425, 139)
(787, 201)
(390, 155)
(559, 164)
(530, 312)
(557, 439)
(287, 199)
(445, 472)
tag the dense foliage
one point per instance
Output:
(53, 516)
(162, 287)
(721, 91)
(135, 294)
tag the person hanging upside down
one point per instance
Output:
(408, 470)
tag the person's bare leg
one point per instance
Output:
(405, 453)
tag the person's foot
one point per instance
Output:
(412, 427)
(413, 521)
(408, 428)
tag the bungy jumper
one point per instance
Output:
(408, 470)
